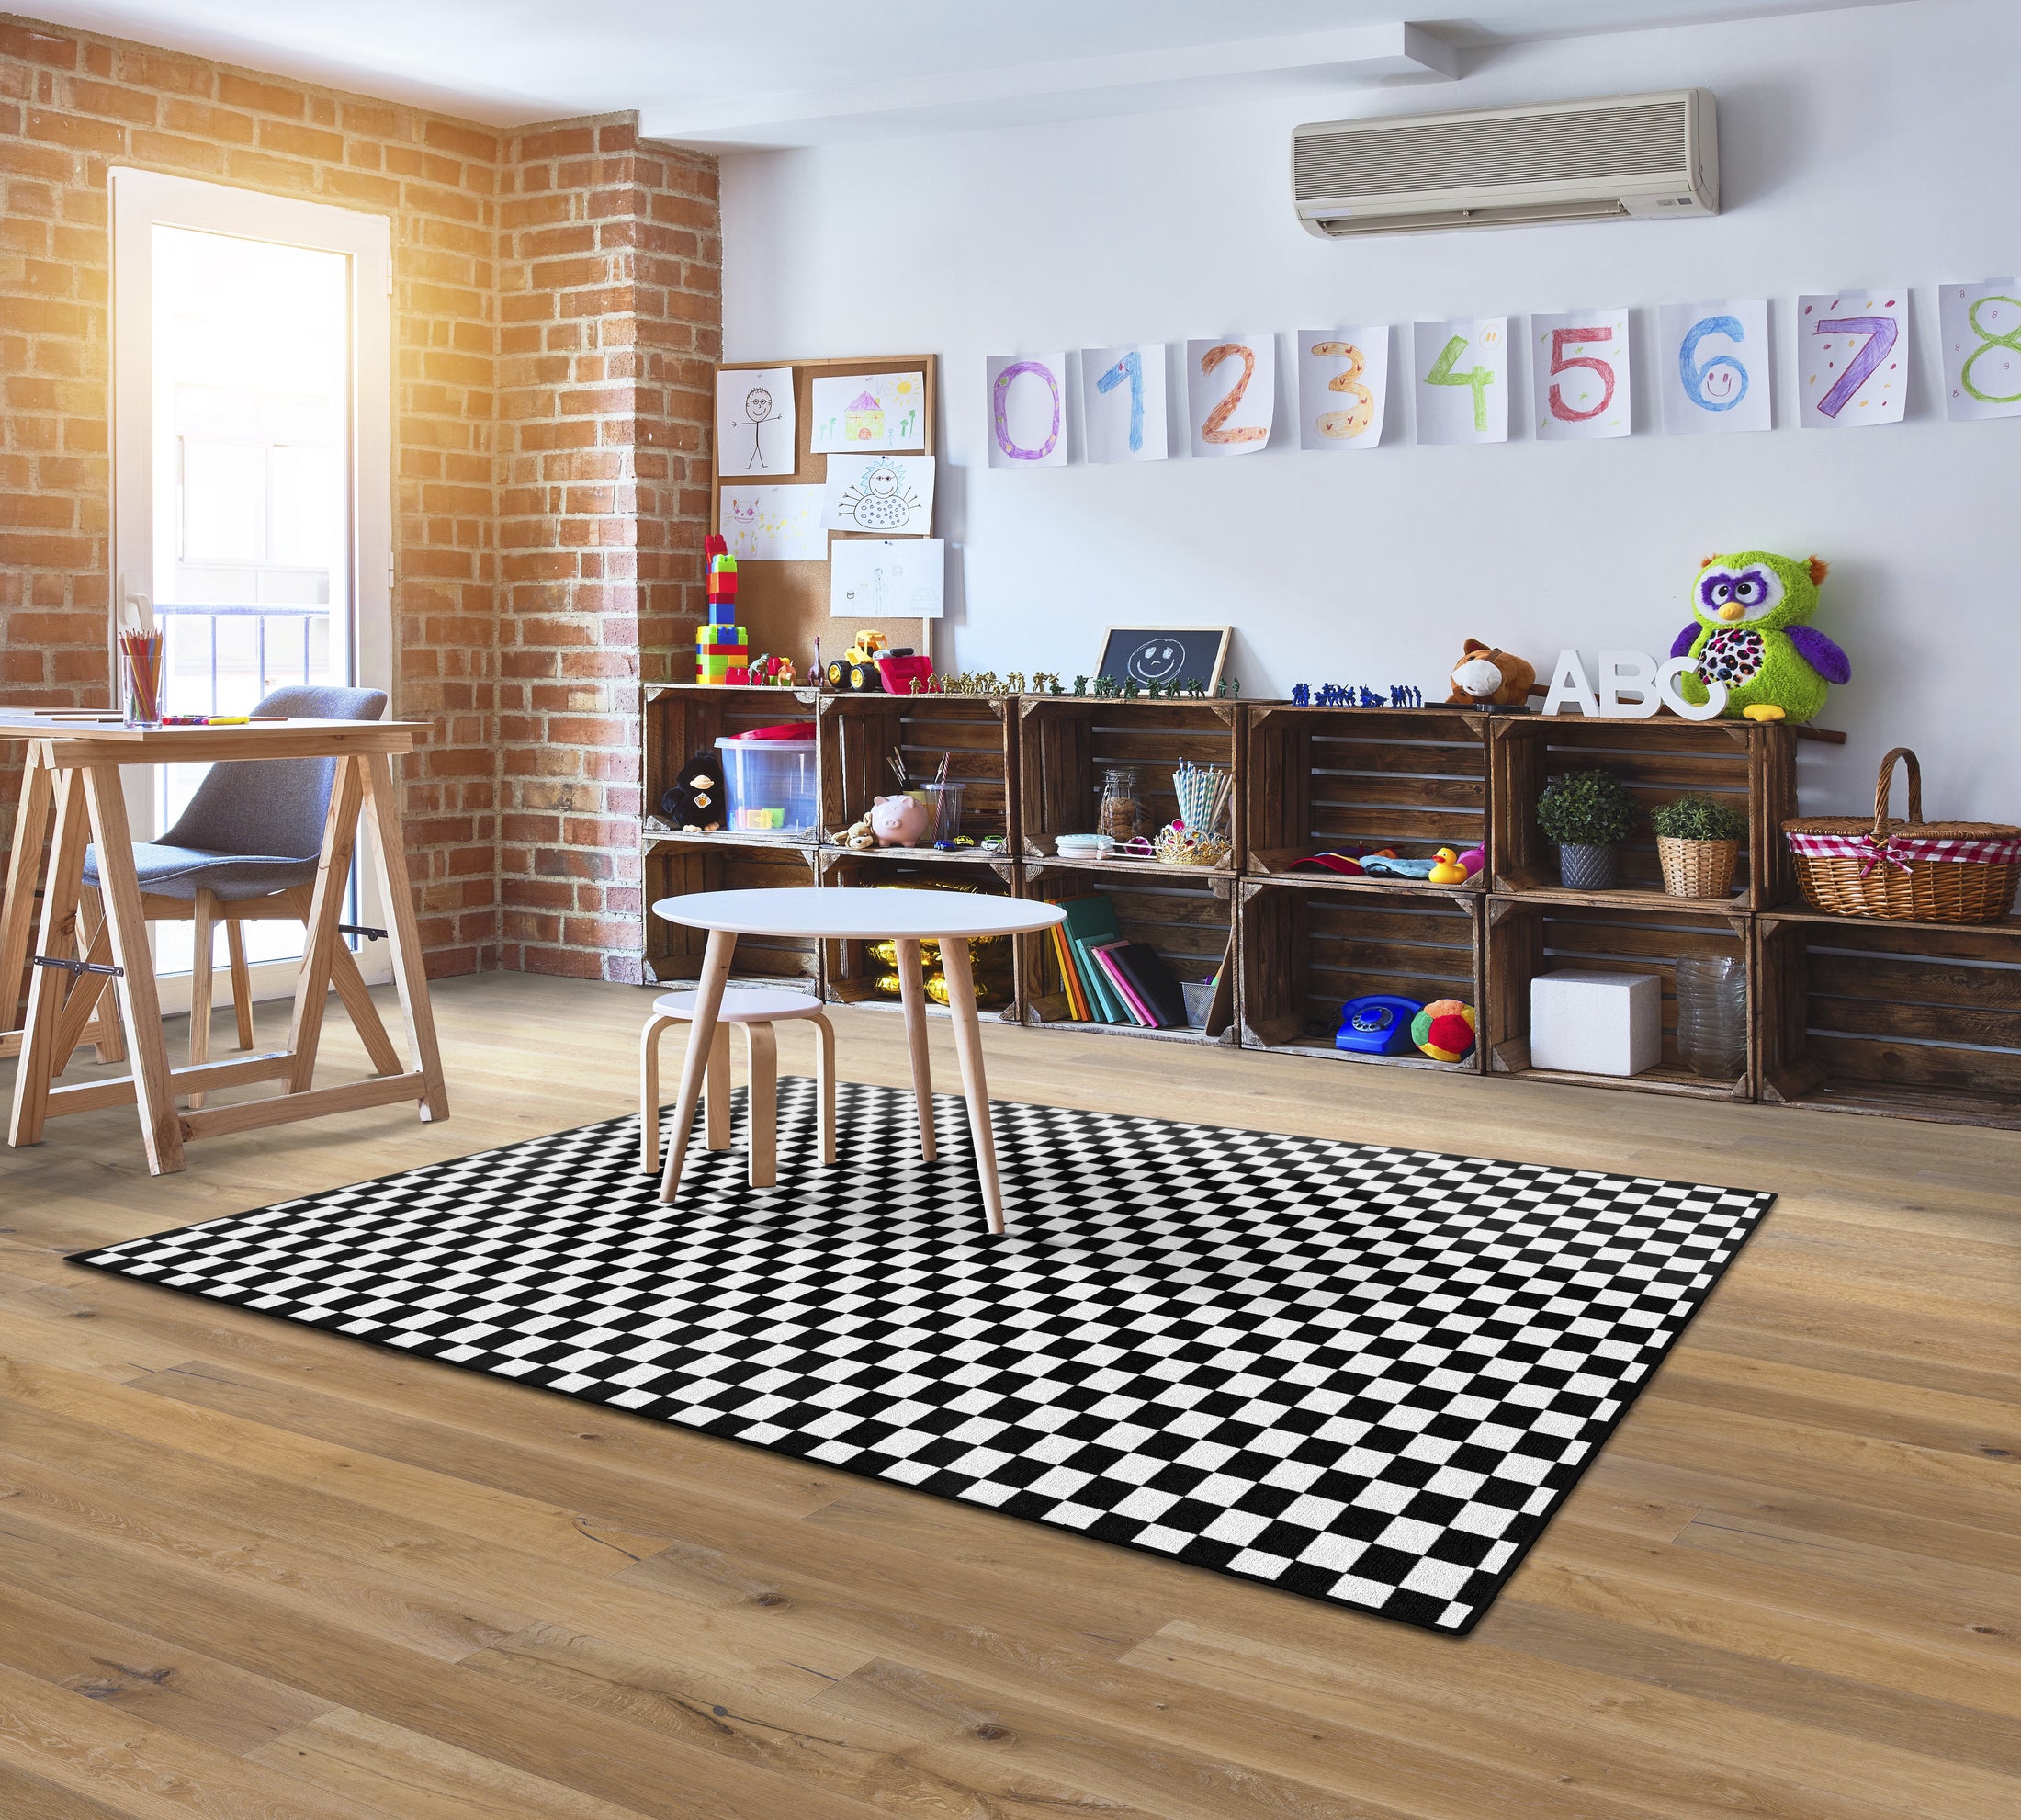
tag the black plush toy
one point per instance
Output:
(694, 802)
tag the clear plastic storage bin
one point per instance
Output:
(770, 783)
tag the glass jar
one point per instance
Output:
(1713, 1016)
(1121, 814)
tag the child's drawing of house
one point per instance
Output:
(863, 421)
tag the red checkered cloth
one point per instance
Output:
(1902, 851)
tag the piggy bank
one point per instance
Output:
(900, 821)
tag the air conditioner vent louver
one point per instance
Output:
(1649, 155)
(1482, 154)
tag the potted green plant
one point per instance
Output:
(1697, 839)
(1589, 813)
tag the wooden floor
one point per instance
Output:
(253, 1573)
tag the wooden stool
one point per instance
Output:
(754, 1009)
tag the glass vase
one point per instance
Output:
(1713, 1016)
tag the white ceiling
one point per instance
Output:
(803, 72)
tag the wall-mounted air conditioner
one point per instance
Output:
(1642, 157)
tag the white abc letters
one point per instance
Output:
(1633, 686)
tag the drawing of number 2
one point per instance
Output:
(1215, 427)
(1345, 425)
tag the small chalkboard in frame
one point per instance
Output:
(1181, 654)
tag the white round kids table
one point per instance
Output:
(859, 913)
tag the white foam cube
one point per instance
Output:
(1588, 1023)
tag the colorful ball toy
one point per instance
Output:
(1444, 1030)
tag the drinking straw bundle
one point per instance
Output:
(1203, 792)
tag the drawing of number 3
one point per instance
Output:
(1345, 425)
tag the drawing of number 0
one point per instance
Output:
(999, 403)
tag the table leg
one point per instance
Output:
(761, 1060)
(17, 906)
(333, 873)
(961, 1002)
(382, 825)
(912, 995)
(708, 1001)
(46, 997)
(161, 1124)
(104, 1033)
(715, 1094)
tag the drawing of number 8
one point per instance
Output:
(1345, 425)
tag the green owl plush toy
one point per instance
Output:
(1750, 631)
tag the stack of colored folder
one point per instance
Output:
(1108, 978)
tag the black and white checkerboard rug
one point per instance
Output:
(1363, 1374)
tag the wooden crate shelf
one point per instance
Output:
(1188, 915)
(1748, 764)
(677, 865)
(850, 971)
(1904, 1019)
(861, 734)
(1528, 936)
(1306, 950)
(1065, 744)
(678, 719)
(1315, 778)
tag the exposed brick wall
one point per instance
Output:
(607, 389)
(610, 323)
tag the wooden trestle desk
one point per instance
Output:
(73, 773)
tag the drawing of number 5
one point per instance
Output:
(1561, 362)
(1344, 426)
(1213, 428)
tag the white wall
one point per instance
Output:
(1858, 147)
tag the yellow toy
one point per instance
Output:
(856, 669)
(1449, 870)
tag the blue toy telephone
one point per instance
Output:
(1376, 1024)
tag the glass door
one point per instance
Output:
(252, 509)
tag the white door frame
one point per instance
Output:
(141, 201)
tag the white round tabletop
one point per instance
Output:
(860, 912)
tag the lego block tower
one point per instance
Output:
(722, 648)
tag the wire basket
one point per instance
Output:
(1910, 871)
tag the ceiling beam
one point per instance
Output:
(1134, 82)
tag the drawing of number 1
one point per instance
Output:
(1479, 378)
(999, 402)
(1130, 367)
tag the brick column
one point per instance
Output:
(609, 276)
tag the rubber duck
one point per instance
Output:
(1447, 871)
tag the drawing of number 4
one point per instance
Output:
(1479, 378)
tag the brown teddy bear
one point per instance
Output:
(1489, 678)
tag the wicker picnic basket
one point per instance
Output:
(1913, 870)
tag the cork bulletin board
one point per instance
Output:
(784, 604)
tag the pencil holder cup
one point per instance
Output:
(140, 674)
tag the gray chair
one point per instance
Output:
(245, 850)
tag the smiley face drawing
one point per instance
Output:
(880, 501)
(1156, 660)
